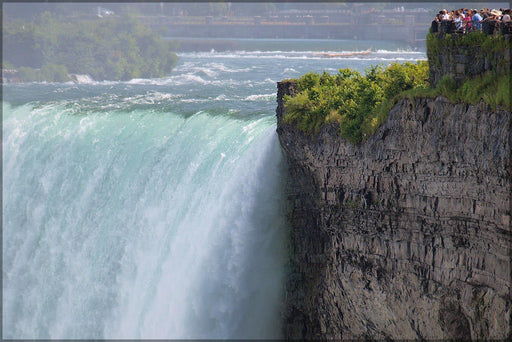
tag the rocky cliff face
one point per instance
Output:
(407, 235)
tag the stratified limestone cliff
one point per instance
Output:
(407, 235)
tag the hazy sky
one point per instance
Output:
(27, 10)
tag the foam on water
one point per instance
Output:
(378, 55)
(260, 97)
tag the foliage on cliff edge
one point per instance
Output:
(494, 90)
(359, 104)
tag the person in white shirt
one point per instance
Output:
(506, 16)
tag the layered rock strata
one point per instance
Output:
(407, 235)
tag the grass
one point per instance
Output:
(489, 88)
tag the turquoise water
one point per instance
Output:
(151, 208)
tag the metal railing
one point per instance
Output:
(488, 26)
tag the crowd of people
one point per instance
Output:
(466, 20)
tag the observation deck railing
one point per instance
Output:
(488, 26)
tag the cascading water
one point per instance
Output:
(150, 208)
(140, 225)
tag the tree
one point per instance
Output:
(107, 49)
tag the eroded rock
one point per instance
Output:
(406, 235)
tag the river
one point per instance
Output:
(154, 208)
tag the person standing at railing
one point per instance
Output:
(457, 19)
(467, 20)
(445, 15)
(476, 19)
(506, 16)
(491, 23)
(485, 13)
(496, 14)
(434, 27)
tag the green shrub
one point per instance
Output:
(28, 74)
(54, 73)
(359, 104)
(49, 72)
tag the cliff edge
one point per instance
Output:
(407, 235)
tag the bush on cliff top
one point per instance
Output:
(359, 104)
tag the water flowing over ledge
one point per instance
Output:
(141, 225)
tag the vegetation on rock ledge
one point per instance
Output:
(495, 90)
(359, 104)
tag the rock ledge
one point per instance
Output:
(407, 235)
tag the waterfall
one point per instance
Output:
(141, 224)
